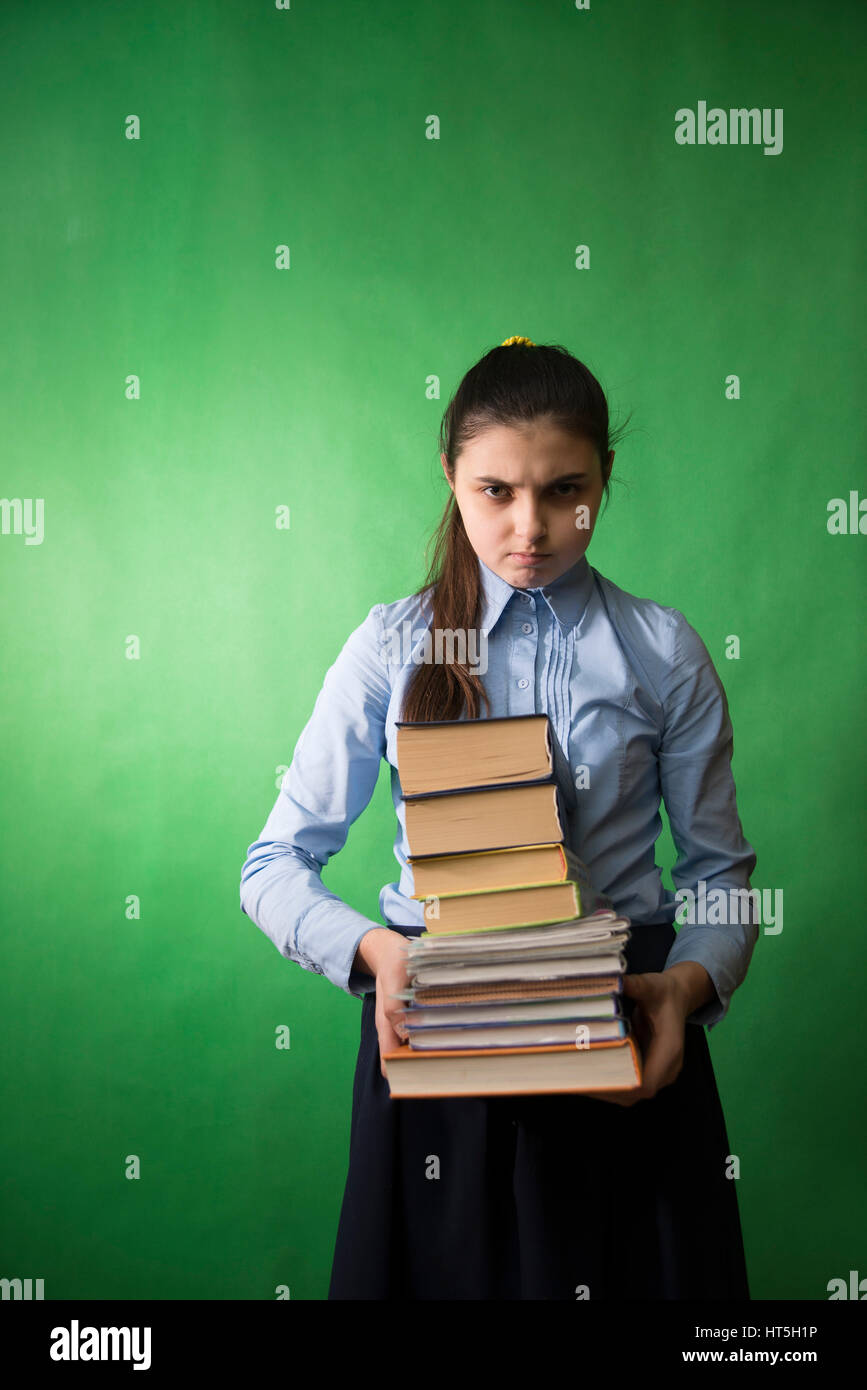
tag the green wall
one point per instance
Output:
(306, 388)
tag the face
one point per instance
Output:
(520, 491)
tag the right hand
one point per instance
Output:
(391, 976)
(382, 954)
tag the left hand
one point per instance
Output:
(658, 1022)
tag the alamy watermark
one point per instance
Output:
(466, 647)
(723, 906)
(25, 1289)
(23, 516)
(77, 1343)
(736, 126)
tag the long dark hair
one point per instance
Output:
(510, 385)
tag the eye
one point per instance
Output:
(570, 488)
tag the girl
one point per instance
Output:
(530, 1197)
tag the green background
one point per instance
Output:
(306, 388)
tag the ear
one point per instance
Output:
(444, 463)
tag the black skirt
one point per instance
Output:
(541, 1197)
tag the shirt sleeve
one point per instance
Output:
(332, 777)
(699, 792)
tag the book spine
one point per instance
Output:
(546, 781)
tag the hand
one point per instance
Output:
(381, 953)
(391, 976)
(658, 1022)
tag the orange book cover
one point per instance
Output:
(406, 1053)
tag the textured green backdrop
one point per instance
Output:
(306, 388)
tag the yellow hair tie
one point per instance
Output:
(509, 341)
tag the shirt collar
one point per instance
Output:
(567, 596)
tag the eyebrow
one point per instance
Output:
(564, 478)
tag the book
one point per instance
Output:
(487, 818)
(520, 969)
(572, 1031)
(598, 928)
(504, 907)
(474, 871)
(515, 990)
(453, 754)
(574, 1007)
(563, 1068)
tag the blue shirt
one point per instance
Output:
(634, 699)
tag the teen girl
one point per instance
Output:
(554, 1196)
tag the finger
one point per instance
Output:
(388, 1040)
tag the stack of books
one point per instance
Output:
(516, 986)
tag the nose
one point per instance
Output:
(529, 521)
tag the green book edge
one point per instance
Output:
(512, 888)
(513, 926)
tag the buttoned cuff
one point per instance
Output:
(721, 957)
(326, 942)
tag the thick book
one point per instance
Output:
(493, 818)
(445, 875)
(603, 1066)
(505, 907)
(457, 754)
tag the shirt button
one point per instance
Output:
(526, 627)
(523, 683)
(526, 598)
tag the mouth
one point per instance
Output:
(529, 558)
